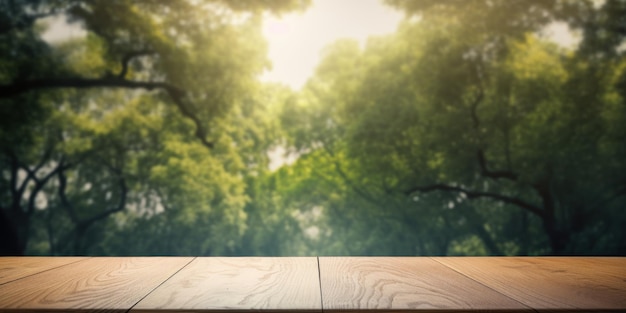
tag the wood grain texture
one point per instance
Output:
(103, 284)
(239, 284)
(406, 284)
(13, 268)
(551, 283)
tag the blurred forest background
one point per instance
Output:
(466, 132)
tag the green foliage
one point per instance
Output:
(122, 167)
(466, 132)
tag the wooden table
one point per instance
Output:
(310, 284)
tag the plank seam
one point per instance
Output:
(487, 286)
(49, 269)
(160, 284)
(319, 277)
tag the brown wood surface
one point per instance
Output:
(348, 284)
(239, 284)
(13, 268)
(551, 283)
(409, 284)
(103, 284)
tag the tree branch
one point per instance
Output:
(40, 183)
(482, 162)
(176, 94)
(16, 192)
(484, 170)
(64, 201)
(32, 174)
(480, 194)
(46, 155)
(128, 57)
(121, 205)
(19, 87)
(82, 225)
(474, 106)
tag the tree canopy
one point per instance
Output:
(466, 132)
(468, 128)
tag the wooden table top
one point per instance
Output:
(311, 284)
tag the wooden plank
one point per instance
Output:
(104, 284)
(13, 268)
(385, 284)
(551, 283)
(239, 285)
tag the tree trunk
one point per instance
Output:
(14, 233)
(525, 240)
(559, 239)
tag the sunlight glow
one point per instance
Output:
(59, 30)
(562, 35)
(296, 40)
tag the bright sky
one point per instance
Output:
(296, 40)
